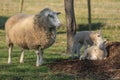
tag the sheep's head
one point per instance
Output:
(97, 39)
(52, 17)
(95, 36)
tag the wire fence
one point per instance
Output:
(104, 12)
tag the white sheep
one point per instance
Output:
(95, 52)
(84, 38)
(32, 32)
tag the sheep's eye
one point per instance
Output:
(51, 16)
(98, 35)
(58, 13)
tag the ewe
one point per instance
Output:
(32, 32)
(84, 38)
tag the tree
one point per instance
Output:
(70, 23)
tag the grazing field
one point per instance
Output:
(105, 14)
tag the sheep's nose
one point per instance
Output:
(60, 24)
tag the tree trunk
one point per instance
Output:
(70, 23)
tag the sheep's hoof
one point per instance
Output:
(105, 58)
(81, 58)
(41, 62)
(21, 62)
(9, 62)
(37, 65)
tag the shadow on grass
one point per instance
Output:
(95, 26)
(2, 21)
(61, 32)
(85, 27)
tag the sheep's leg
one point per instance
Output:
(39, 54)
(79, 46)
(85, 45)
(41, 57)
(76, 48)
(73, 50)
(84, 56)
(9, 53)
(38, 57)
(22, 56)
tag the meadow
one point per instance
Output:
(105, 14)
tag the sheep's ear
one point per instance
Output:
(47, 13)
(105, 40)
(100, 32)
(58, 13)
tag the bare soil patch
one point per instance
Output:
(108, 69)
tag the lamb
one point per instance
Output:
(84, 38)
(95, 52)
(36, 32)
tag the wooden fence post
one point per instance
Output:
(89, 14)
(21, 6)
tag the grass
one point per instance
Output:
(105, 14)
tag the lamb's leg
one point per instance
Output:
(22, 56)
(76, 48)
(73, 50)
(9, 53)
(79, 46)
(85, 45)
(84, 55)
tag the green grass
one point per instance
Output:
(105, 14)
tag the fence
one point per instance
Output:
(104, 12)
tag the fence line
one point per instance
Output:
(103, 11)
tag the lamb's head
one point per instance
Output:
(51, 17)
(94, 36)
(97, 39)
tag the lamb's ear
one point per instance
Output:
(105, 40)
(58, 13)
(100, 32)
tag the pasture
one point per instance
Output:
(105, 14)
